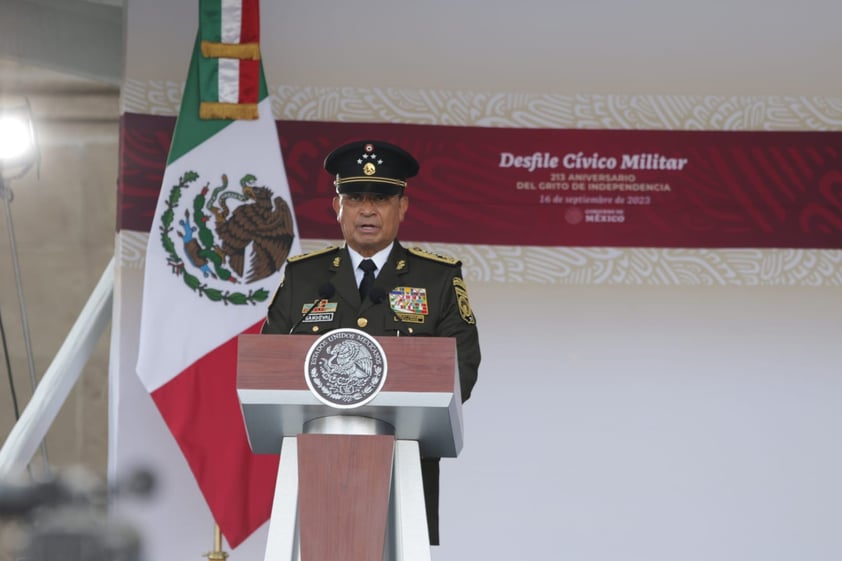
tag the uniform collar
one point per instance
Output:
(379, 258)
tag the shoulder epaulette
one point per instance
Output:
(304, 256)
(417, 251)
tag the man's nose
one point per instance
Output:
(368, 203)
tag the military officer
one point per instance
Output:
(375, 284)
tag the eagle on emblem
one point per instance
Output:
(262, 223)
(348, 361)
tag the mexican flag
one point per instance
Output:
(222, 230)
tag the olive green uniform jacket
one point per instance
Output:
(437, 282)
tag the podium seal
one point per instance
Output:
(345, 368)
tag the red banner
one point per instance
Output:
(549, 187)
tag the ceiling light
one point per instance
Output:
(18, 148)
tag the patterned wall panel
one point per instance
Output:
(564, 265)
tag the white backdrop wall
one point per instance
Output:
(651, 423)
(636, 404)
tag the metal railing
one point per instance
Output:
(30, 430)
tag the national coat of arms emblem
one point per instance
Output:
(345, 368)
(226, 238)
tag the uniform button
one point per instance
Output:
(315, 329)
(362, 322)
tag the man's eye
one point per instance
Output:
(355, 197)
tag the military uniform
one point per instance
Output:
(415, 293)
(426, 290)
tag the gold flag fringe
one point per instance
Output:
(245, 51)
(235, 111)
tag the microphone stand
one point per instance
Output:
(9, 368)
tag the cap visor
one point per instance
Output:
(363, 187)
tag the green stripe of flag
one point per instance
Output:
(190, 130)
(210, 20)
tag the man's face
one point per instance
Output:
(369, 221)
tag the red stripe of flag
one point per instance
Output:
(201, 408)
(249, 81)
(250, 24)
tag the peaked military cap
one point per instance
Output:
(371, 166)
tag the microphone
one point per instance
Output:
(327, 290)
(378, 295)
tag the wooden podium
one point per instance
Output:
(349, 482)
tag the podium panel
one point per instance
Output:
(343, 494)
(421, 398)
(349, 483)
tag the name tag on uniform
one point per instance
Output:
(323, 311)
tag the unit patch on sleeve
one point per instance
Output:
(409, 303)
(462, 301)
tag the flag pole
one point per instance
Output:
(217, 554)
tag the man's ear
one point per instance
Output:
(404, 202)
(336, 205)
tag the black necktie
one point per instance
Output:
(368, 266)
